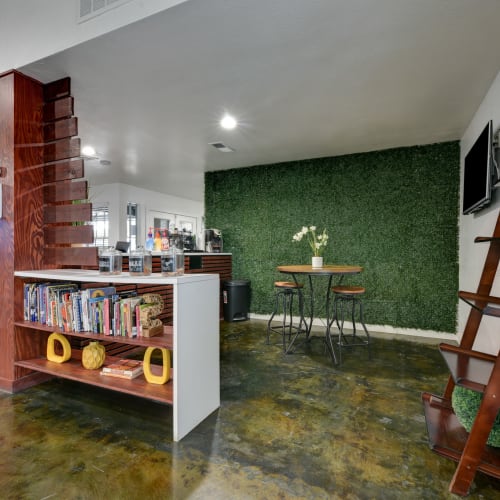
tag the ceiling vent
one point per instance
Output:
(87, 9)
(221, 147)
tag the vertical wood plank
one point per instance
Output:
(7, 231)
(21, 236)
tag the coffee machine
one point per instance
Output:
(213, 240)
(189, 241)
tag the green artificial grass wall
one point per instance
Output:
(394, 212)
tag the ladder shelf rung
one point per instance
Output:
(486, 239)
(486, 304)
(470, 369)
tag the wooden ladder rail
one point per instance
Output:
(484, 288)
(478, 435)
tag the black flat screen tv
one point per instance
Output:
(479, 171)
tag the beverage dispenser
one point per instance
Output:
(213, 240)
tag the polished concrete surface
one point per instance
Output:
(288, 427)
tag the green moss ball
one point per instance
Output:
(465, 403)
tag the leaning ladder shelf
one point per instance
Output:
(194, 391)
(476, 371)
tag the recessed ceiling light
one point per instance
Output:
(88, 151)
(228, 122)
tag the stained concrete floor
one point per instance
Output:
(288, 427)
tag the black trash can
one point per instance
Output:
(236, 300)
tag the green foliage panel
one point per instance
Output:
(394, 212)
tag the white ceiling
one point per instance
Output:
(305, 78)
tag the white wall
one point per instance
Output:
(472, 255)
(117, 196)
(33, 29)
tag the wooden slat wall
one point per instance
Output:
(54, 235)
(64, 191)
(63, 170)
(69, 256)
(62, 149)
(64, 221)
(80, 212)
(217, 264)
(61, 129)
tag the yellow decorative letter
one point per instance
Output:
(51, 355)
(157, 379)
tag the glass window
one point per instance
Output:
(100, 221)
(132, 225)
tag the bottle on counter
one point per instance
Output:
(165, 243)
(150, 243)
(157, 241)
(172, 261)
(110, 261)
(140, 262)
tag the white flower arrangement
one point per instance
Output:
(317, 242)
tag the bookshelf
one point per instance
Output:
(194, 390)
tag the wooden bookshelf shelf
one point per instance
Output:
(166, 340)
(73, 370)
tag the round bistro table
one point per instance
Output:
(309, 271)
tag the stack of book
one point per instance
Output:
(97, 310)
(123, 368)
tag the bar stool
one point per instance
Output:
(347, 299)
(286, 291)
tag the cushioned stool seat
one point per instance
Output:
(347, 302)
(286, 291)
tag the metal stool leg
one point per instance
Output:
(284, 301)
(276, 307)
(343, 304)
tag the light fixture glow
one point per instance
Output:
(88, 151)
(228, 122)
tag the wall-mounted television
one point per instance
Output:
(479, 172)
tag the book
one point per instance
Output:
(128, 316)
(54, 297)
(76, 298)
(123, 368)
(30, 302)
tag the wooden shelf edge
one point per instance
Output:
(72, 370)
(447, 437)
(485, 304)
(467, 352)
(486, 239)
(165, 340)
(468, 368)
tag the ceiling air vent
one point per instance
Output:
(88, 9)
(221, 147)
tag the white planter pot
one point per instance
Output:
(317, 262)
